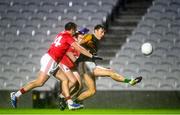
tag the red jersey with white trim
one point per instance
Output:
(67, 61)
(60, 45)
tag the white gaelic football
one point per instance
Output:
(146, 48)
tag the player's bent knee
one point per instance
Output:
(74, 81)
(92, 92)
(110, 70)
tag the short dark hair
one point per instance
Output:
(70, 25)
(98, 26)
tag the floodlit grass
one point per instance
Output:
(92, 111)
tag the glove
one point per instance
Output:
(95, 57)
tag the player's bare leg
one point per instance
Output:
(78, 86)
(65, 91)
(65, 82)
(72, 81)
(41, 79)
(104, 72)
(70, 78)
(91, 88)
(73, 92)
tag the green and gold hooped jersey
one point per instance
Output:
(91, 43)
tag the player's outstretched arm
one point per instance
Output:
(81, 49)
(71, 56)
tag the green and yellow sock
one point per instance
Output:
(127, 80)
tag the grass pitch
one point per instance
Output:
(91, 111)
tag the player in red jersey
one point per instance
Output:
(68, 66)
(72, 54)
(49, 64)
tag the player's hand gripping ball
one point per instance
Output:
(146, 48)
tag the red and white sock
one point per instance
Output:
(20, 92)
(69, 100)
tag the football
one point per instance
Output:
(146, 48)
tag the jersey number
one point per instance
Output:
(57, 41)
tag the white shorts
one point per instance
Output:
(90, 66)
(48, 65)
(64, 67)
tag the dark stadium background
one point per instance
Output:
(27, 27)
